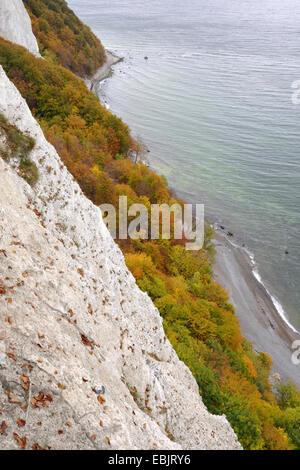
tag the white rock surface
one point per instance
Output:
(15, 25)
(75, 323)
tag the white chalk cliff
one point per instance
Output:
(15, 25)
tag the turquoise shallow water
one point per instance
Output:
(213, 103)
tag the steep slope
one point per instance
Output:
(15, 25)
(85, 362)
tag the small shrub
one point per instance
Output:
(3, 121)
(21, 143)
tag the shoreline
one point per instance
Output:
(103, 72)
(260, 320)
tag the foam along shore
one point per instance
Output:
(103, 72)
(260, 320)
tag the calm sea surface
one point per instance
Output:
(213, 104)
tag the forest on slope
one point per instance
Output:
(199, 321)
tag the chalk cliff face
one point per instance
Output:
(84, 362)
(15, 25)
